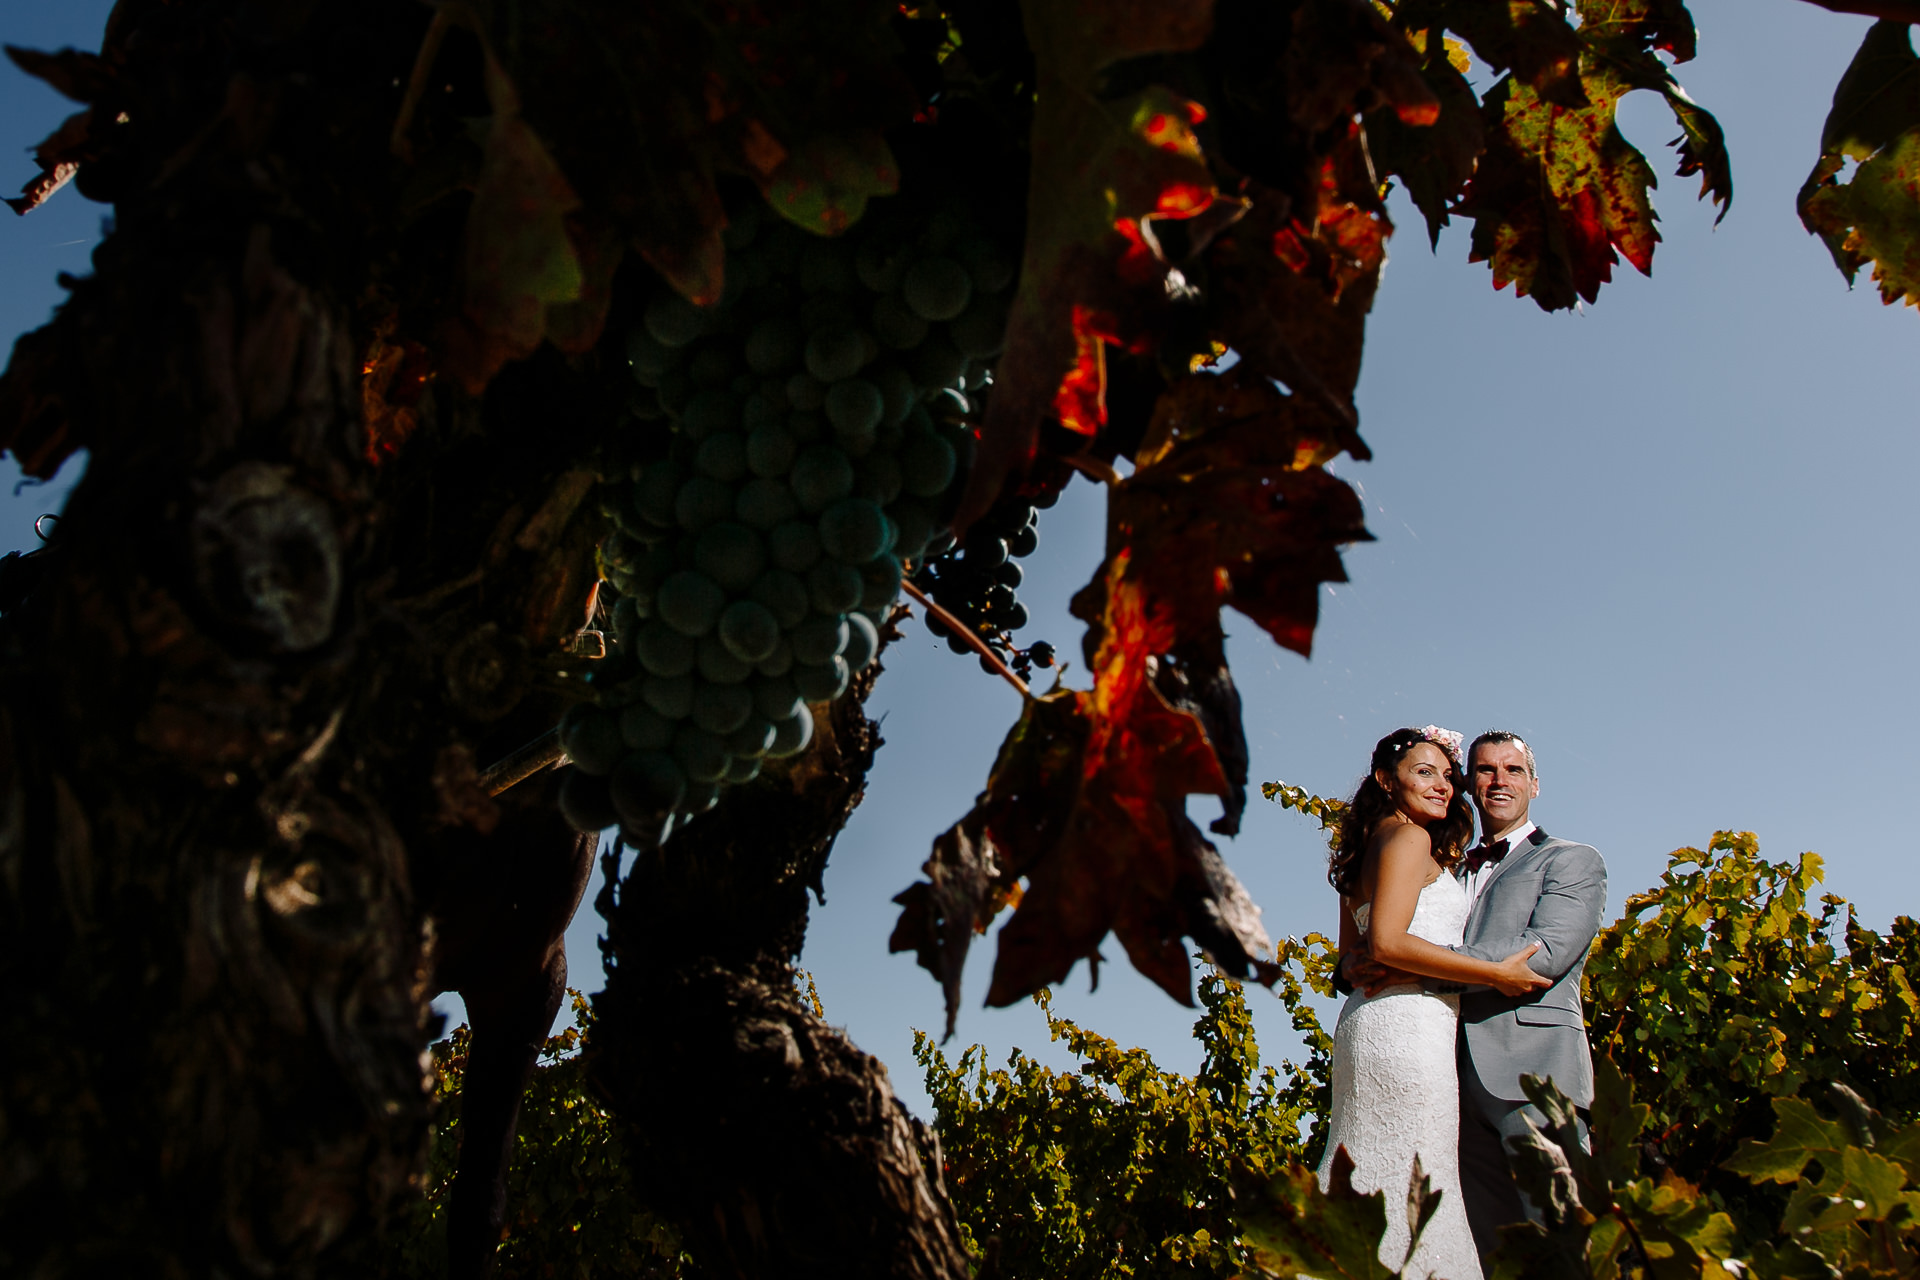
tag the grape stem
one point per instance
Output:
(974, 642)
(543, 752)
(1093, 467)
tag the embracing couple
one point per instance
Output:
(1462, 972)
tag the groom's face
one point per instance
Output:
(1503, 786)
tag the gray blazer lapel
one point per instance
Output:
(1536, 841)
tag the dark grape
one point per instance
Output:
(984, 552)
(700, 753)
(1015, 616)
(880, 582)
(862, 641)
(926, 464)
(721, 708)
(731, 554)
(646, 786)
(690, 602)
(936, 288)
(749, 630)
(662, 650)
(820, 639)
(644, 729)
(915, 524)
(671, 696)
(584, 802)
(591, 737)
(1025, 541)
(1008, 575)
(791, 734)
(1040, 653)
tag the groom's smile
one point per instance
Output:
(1503, 784)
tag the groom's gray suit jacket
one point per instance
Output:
(1549, 891)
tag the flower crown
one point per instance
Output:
(1448, 741)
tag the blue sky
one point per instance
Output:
(1668, 538)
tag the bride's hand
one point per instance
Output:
(1516, 978)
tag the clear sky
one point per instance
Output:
(1669, 539)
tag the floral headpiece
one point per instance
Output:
(1448, 741)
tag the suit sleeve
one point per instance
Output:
(1564, 921)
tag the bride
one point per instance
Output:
(1395, 1090)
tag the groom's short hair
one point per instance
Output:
(1502, 735)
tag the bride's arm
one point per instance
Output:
(1405, 866)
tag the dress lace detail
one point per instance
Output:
(1396, 1093)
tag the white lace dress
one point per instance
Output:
(1396, 1093)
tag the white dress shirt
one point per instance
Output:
(1477, 878)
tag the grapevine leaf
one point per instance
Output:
(941, 914)
(83, 77)
(1657, 24)
(1800, 1134)
(1101, 168)
(825, 184)
(59, 158)
(1294, 1228)
(1617, 1121)
(1876, 121)
(1432, 161)
(1195, 677)
(1531, 39)
(1558, 191)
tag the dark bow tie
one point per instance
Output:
(1486, 855)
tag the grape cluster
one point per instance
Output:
(816, 438)
(977, 581)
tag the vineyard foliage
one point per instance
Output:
(1756, 1067)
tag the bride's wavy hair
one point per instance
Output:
(1371, 804)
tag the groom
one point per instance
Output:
(1525, 886)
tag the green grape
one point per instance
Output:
(751, 739)
(622, 580)
(674, 391)
(645, 787)
(853, 530)
(804, 391)
(759, 411)
(806, 426)
(655, 490)
(672, 321)
(774, 391)
(948, 411)
(584, 802)
(791, 734)
(927, 464)
(744, 385)
(824, 268)
(730, 554)
(834, 587)
(770, 449)
(749, 630)
(897, 392)
(701, 501)
(644, 729)
(662, 650)
(835, 352)
(937, 288)
(592, 737)
(863, 641)
(936, 362)
(776, 698)
(743, 770)
(714, 364)
(877, 478)
(880, 261)
(723, 456)
(671, 696)
(764, 503)
(700, 797)
(709, 411)
(821, 683)
(794, 546)
(721, 708)
(644, 404)
(855, 407)
(744, 226)
(819, 638)
(700, 753)
(981, 330)
(783, 595)
(988, 266)
(915, 523)
(826, 311)
(880, 582)
(690, 602)
(648, 357)
(777, 663)
(821, 476)
(717, 665)
(773, 346)
(895, 325)
(626, 619)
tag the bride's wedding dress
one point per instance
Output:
(1396, 1093)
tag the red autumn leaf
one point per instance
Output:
(1102, 170)
(1535, 41)
(824, 186)
(59, 158)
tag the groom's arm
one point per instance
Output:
(1565, 919)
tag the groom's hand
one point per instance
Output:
(1369, 975)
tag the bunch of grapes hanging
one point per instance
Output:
(819, 422)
